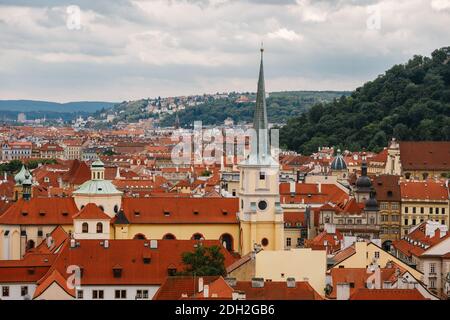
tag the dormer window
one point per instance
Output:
(117, 271)
(166, 213)
(224, 212)
(137, 213)
(42, 213)
(24, 213)
(195, 212)
(65, 214)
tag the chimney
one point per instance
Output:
(231, 281)
(319, 187)
(106, 244)
(257, 282)
(205, 291)
(292, 187)
(238, 295)
(49, 241)
(343, 291)
(291, 283)
(73, 243)
(200, 284)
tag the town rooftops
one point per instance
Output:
(181, 210)
(40, 211)
(91, 212)
(387, 294)
(425, 155)
(424, 190)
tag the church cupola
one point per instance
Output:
(24, 184)
(98, 170)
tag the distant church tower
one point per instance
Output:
(260, 213)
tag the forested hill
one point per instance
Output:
(409, 102)
(281, 106)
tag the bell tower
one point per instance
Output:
(260, 213)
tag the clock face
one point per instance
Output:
(262, 205)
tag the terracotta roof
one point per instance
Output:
(48, 280)
(91, 211)
(309, 193)
(326, 241)
(425, 155)
(97, 262)
(429, 190)
(40, 211)
(181, 210)
(278, 291)
(175, 288)
(387, 294)
(78, 173)
(387, 188)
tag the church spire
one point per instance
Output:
(260, 116)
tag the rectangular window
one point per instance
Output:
(288, 242)
(422, 209)
(443, 211)
(5, 291)
(432, 268)
(145, 294)
(432, 284)
(436, 210)
(262, 175)
(80, 294)
(414, 222)
(406, 222)
(97, 294)
(377, 254)
(120, 294)
(23, 290)
(430, 210)
(139, 294)
(414, 209)
(406, 209)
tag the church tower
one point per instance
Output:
(260, 213)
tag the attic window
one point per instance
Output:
(171, 271)
(65, 214)
(117, 271)
(24, 213)
(166, 213)
(196, 212)
(137, 213)
(389, 193)
(224, 212)
(42, 213)
(31, 271)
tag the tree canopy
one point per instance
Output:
(409, 102)
(204, 261)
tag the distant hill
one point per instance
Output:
(281, 106)
(409, 102)
(69, 107)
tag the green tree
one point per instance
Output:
(204, 261)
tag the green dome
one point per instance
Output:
(21, 175)
(101, 187)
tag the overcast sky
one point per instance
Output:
(130, 49)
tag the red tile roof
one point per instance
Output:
(424, 190)
(91, 212)
(278, 291)
(78, 174)
(48, 280)
(387, 294)
(181, 210)
(40, 211)
(425, 155)
(97, 262)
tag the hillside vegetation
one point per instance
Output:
(409, 102)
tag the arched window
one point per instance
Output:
(197, 236)
(116, 208)
(85, 227)
(227, 241)
(139, 236)
(99, 227)
(169, 236)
